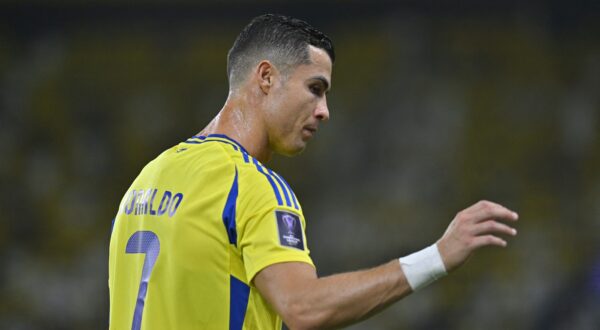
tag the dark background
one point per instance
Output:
(435, 105)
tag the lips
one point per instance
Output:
(309, 131)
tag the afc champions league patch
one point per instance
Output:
(290, 230)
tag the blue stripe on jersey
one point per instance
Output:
(277, 194)
(112, 226)
(205, 139)
(229, 211)
(238, 302)
(223, 136)
(296, 206)
(287, 191)
(236, 146)
(283, 188)
(193, 141)
(220, 136)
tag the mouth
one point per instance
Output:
(309, 131)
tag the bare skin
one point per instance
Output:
(307, 302)
(273, 113)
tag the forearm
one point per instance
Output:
(346, 298)
(307, 302)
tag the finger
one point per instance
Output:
(488, 240)
(485, 210)
(493, 227)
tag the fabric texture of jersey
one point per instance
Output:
(192, 231)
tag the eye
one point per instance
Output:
(316, 89)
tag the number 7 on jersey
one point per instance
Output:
(143, 242)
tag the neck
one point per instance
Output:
(240, 120)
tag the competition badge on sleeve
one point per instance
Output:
(290, 229)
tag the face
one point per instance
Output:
(298, 104)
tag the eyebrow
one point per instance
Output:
(323, 80)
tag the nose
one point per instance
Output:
(321, 111)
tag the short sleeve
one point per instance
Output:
(268, 233)
(273, 236)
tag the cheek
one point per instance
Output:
(275, 105)
(300, 113)
(290, 111)
(307, 108)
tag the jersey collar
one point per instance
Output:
(221, 136)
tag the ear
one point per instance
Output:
(265, 72)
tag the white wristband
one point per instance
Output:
(423, 267)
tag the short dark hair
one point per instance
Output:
(281, 39)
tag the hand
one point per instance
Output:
(473, 228)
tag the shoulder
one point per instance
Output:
(210, 149)
(196, 163)
(261, 184)
(258, 185)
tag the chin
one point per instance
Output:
(291, 151)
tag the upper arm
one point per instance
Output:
(272, 241)
(283, 285)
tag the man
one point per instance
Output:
(207, 237)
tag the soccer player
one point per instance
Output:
(208, 237)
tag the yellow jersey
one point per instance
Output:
(192, 231)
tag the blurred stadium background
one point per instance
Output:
(434, 106)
